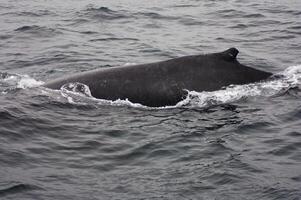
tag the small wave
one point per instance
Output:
(102, 13)
(190, 21)
(100, 9)
(231, 13)
(184, 6)
(38, 13)
(154, 15)
(280, 11)
(286, 150)
(5, 37)
(38, 30)
(239, 26)
(88, 32)
(113, 39)
(279, 84)
(28, 28)
(255, 15)
(16, 189)
(295, 27)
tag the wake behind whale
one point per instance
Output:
(165, 83)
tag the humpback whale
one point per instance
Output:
(165, 83)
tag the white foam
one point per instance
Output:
(12, 81)
(10, 78)
(129, 64)
(28, 82)
(120, 102)
(77, 88)
(292, 75)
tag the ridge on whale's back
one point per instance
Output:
(166, 82)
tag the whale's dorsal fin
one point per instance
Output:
(230, 54)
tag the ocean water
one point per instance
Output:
(241, 142)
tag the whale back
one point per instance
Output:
(166, 83)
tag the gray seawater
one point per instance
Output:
(242, 142)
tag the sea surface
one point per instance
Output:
(239, 143)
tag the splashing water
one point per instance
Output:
(10, 82)
(27, 82)
(77, 88)
(74, 92)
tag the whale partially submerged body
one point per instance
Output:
(165, 83)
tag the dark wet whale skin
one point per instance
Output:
(165, 83)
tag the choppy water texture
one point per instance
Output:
(243, 142)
